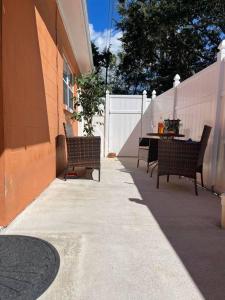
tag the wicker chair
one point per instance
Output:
(82, 151)
(148, 152)
(183, 158)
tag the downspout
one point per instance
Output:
(2, 134)
(57, 68)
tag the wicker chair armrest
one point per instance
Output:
(84, 138)
(143, 142)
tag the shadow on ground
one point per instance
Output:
(190, 223)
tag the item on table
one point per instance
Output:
(171, 126)
(160, 126)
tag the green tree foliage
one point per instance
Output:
(89, 97)
(165, 37)
(105, 63)
(102, 59)
(97, 57)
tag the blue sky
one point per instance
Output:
(99, 23)
(98, 13)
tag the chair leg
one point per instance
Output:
(65, 173)
(154, 168)
(157, 184)
(168, 178)
(99, 174)
(202, 180)
(147, 167)
(138, 163)
(196, 189)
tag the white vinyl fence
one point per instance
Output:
(125, 123)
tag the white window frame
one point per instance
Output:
(69, 88)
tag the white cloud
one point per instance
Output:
(100, 39)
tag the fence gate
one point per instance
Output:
(124, 123)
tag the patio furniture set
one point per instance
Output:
(173, 156)
(170, 155)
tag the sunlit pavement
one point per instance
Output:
(124, 239)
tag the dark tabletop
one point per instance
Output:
(169, 134)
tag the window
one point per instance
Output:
(68, 90)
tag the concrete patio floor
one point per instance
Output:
(124, 239)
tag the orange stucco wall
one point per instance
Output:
(35, 42)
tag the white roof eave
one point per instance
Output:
(75, 19)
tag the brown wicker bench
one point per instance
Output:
(82, 151)
(183, 158)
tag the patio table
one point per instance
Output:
(165, 135)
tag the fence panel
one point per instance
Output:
(220, 170)
(196, 106)
(124, 124)
(162, 108)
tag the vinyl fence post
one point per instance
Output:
(144, 99)
(218, 121)
(143, 108)
(107, 116)
(176, 82)
(152, 103)
(153, 94)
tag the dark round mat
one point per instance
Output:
(28, 266)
